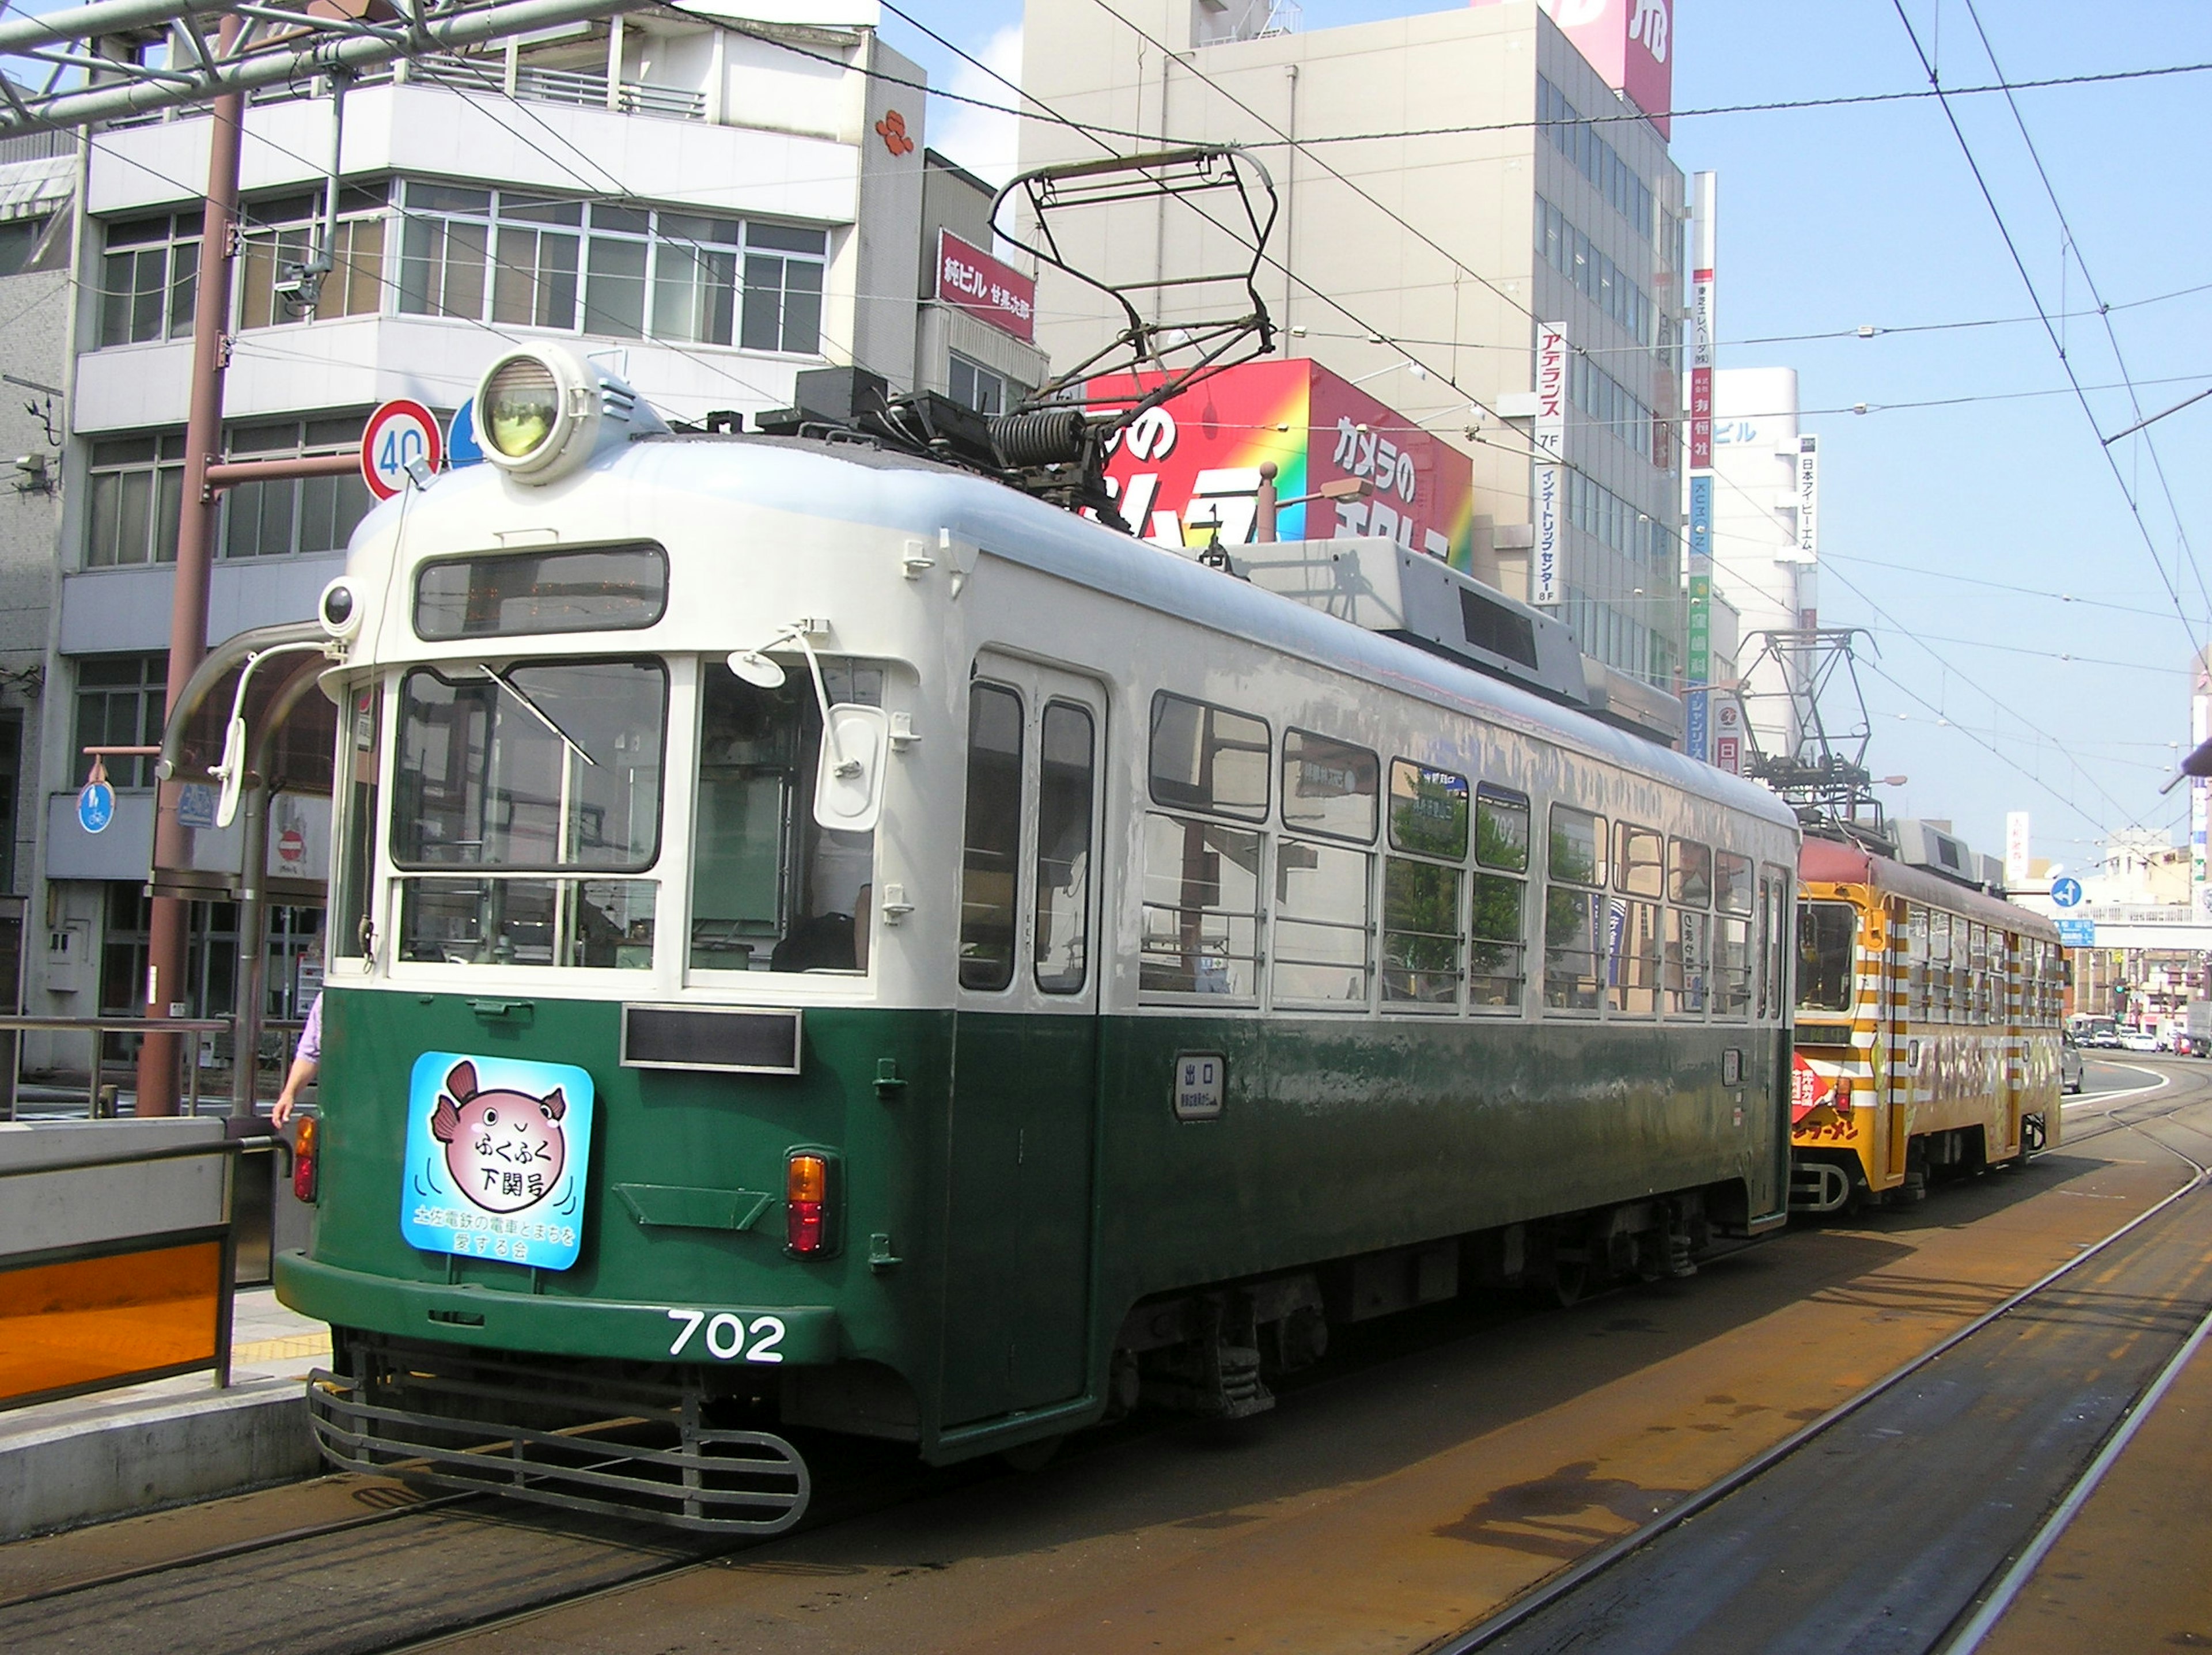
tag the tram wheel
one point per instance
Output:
(1570, 1281)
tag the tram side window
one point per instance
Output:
(1636, 866)
(1063, 853)
(1498, 969)
(1422, 940)
(991, 846)
(1632, 968)
(1916, 964)
(1774, 942)
(1208, 759)
(1201, 910)
(1574, 918)
(771, 889)
(1733, 894)
(1689, 893)
(1825, 935)
(1939, 966)
(351, 930)
(1329, 787)
(1322, 924)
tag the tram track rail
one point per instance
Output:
(1996, 1589)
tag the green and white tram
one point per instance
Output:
(823, 941)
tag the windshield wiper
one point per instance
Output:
(537, 712)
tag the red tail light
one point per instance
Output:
(806, 1203)
(303, 1159)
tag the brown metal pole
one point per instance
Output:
(169, 934)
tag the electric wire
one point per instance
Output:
(2051, 331)
(2184, 551)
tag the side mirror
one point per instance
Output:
(233, 772)
(849, 788)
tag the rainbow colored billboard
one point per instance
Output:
(1189, 470)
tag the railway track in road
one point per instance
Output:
(1908, 1516)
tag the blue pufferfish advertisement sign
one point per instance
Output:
(498, 1150)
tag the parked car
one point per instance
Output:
(2138, 1040)
(2069, 1065)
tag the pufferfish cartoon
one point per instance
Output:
(504, 1149)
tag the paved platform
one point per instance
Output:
(169, 1441)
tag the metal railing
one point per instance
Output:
(99, 1027)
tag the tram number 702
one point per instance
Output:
(726, 1336)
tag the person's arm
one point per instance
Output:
(302, 1071)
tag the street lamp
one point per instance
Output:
(1408, 363)
(1343, 487)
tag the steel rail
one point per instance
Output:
(234, 1549)
(1560, 1586)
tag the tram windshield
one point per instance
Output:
(540, 767)
(1824, 933)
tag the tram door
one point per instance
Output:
(1025, 1055)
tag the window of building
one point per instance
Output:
(119, 701)
(280, 233)
(136, 490)
(611, 270)
(1597, 160)
(985, 390)
(147, 277)
(292, 515)
(36, 241)
(783, 288)
(1603, 283)
(1609, 404)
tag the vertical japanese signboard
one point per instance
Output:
(2016, 852)
(1550, 435)
(1809, 498)
(1698, 669)
(2200, 792)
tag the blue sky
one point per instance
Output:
(1831, 219)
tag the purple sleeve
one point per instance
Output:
(311, 1037)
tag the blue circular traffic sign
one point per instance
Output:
(2066, 892)
(462, 447)
(95, 807)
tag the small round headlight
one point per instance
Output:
(339, 610)
(521, 405)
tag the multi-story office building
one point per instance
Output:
(712, 210)
(1765, 548)
(1425, 265)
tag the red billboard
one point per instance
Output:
(1189, 469)
(1631, 44)
(971, 280)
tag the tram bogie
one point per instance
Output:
(1186, 971)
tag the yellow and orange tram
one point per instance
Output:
(1927, 1030)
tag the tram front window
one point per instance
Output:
(771, 890)
(1825, 933)
(532, 768)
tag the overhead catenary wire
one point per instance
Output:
(2049, 328)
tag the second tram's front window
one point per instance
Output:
(1825, 933)
(550, 768)
(771, 889)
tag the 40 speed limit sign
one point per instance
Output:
(399, 435)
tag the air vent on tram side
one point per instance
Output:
(725, 1042)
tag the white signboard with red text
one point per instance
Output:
(971, 280)
(1550, 435)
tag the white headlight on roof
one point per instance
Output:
(537, 412)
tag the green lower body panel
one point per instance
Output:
(725, 1335)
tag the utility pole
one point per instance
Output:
(169, 935)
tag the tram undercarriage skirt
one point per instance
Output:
(631, 1449)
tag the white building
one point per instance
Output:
(1424, 266)
(1762, 563)
(719, 210)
